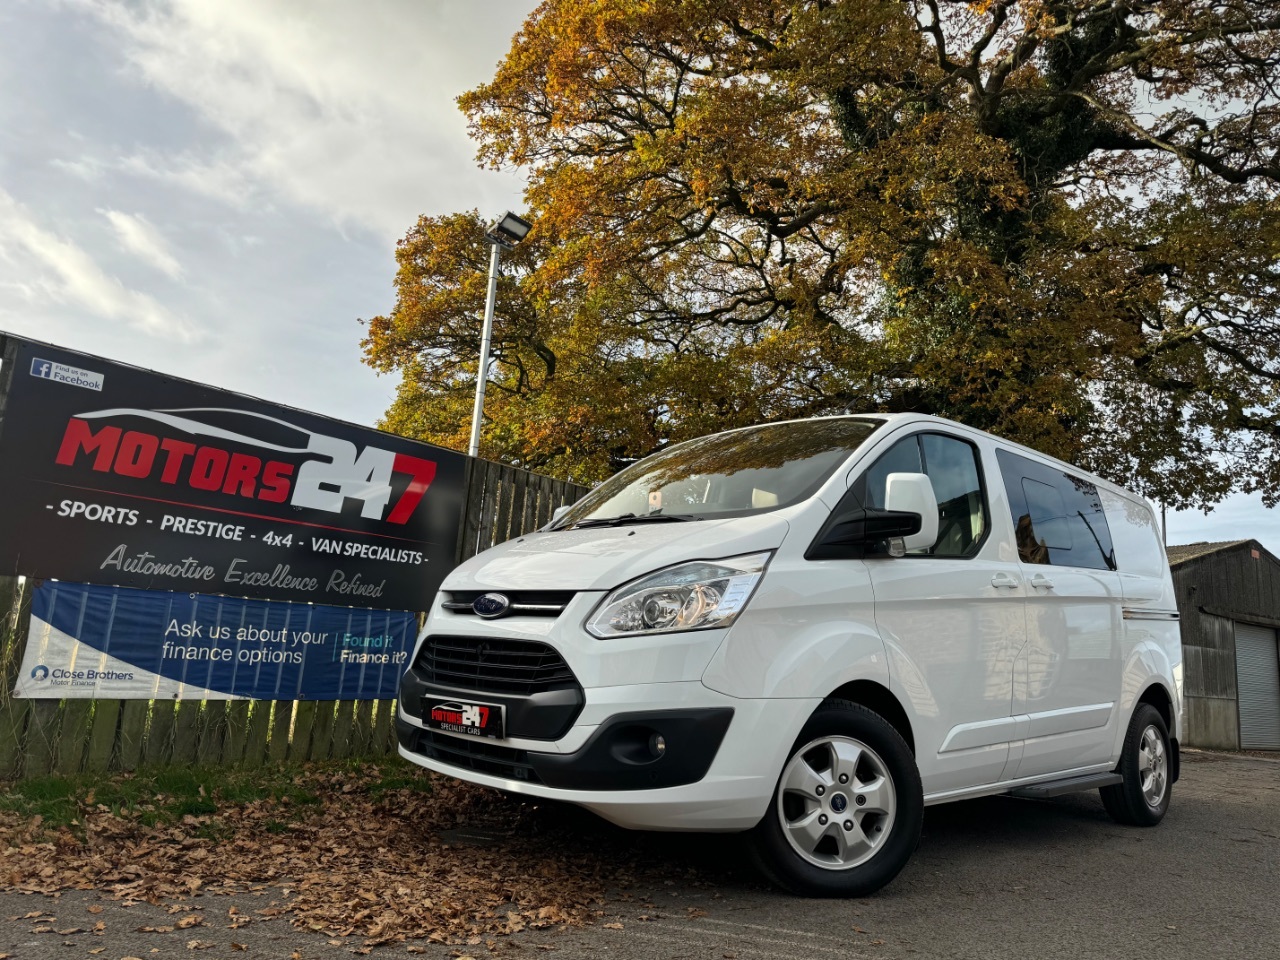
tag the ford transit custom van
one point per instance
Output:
(810, 631)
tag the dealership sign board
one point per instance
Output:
(115, 475)
(117, 643)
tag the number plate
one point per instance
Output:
(464, 716)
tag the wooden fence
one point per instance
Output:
(39, 737)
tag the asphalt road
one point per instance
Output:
(994, 878)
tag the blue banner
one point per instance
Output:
(115, 642)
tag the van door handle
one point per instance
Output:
(1004, 580)
(1040, 580)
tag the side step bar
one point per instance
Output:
(1056, 788)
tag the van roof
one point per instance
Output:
(906, 418)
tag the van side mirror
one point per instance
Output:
(559, 512)
(848, 535)
(913, 493)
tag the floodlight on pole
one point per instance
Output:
(502, 234)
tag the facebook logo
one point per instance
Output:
(61, 373)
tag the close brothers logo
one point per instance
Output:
(333, 471)
(39, 672)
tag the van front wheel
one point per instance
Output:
(846, 812)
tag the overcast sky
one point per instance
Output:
(214, 188)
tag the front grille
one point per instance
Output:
(522, 667)
(474, 754)
(524, 603)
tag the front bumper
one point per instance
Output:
(718, 773)
(629, 751)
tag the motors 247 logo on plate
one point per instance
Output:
(473, 719)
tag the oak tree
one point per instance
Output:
(1058, 221)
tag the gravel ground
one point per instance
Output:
(994, 878)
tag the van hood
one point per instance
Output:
(601, 558)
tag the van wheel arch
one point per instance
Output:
(1158, 697)
(881, 701)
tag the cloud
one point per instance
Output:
(59, 271)
(220, 179)
(343, 108)
(143, 240)
(84, 168)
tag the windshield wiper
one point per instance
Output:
(628, 518)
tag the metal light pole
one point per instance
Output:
(504, 234)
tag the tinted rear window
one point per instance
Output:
(1057, 516)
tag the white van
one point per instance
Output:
(811, 630)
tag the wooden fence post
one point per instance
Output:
(102, 735)
(15, 714)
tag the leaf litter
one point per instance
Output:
(364, 861)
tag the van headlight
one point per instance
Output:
(689, 596)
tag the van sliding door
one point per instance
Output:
(1067, 678)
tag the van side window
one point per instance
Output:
(1136, 536)
(1046, 519)
(1057, 517)
(952, 467)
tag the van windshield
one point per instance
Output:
(724, 475)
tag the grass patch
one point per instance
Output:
(165, 796)
(195, 807)
(411, 779)
(52, 798)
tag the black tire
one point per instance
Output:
(885, 754)
(1130, 802)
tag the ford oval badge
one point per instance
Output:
(490, 606)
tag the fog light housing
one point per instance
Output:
(657, 745)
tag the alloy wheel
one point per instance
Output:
(837, 803)
(1153, 766)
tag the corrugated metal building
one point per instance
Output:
(1229, 597)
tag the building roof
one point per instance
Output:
(1189, 551)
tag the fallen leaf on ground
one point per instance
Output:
(395, 882)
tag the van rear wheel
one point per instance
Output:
(846, 812)
(1142, 798)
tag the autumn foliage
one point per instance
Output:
(1058, 221)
